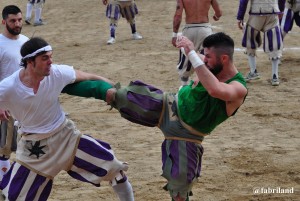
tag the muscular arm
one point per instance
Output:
(242, 10)
(177, 16)
(233, 93)
(227, 92)
(82, 76)
(241, 13)
(177, 20)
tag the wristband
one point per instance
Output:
(195, 59)
(174, 34)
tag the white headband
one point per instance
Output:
(43, 49)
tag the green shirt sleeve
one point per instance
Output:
(90, 88)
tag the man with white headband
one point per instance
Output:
(50, 142)
(184, 118)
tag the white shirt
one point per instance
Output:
(10, 57)
(41, 112)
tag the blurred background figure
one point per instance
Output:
(36, 5)
(117, 8)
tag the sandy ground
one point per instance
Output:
(256, 149)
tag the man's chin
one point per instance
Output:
(16, 33)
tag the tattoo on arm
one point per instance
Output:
(178, 5)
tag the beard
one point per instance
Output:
(15, 31)
(217, 68)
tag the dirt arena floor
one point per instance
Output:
(245, 158)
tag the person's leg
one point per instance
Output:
(4, 166)
(196, 33)
(122, 187)
(113, 14)
(29, 8)
(129, 11)
(112, 31)
(252, 64)
(22, 184)
(8, 144)
(181, 167)
(273, 45)
(251, 41)
(275, 77)
(95, 162)
(138, 102)
(38, 13)
(286, 23)
(135, 34)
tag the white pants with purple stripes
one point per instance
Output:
(272, 37)
(38, 161)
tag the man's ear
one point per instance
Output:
(3, 22)
(224, 58)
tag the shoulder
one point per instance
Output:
(3, 39)
(62, 69)
(60, 66)
(23, 38)
(10, 80)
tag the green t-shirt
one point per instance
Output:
(200, 110)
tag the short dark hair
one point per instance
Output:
(10, 9)
(222, 42)
(31, 46)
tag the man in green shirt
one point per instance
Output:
(186, 117)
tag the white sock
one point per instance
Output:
(124, 191)
(29, 10)
(252, 63)
(275, 63)
(4, 167)
(38, 14)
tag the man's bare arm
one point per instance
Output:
(82, 76)
(217, 9)
(177, 16)
(177, 20)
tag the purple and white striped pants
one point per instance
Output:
(272, 40)
(37, 162)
